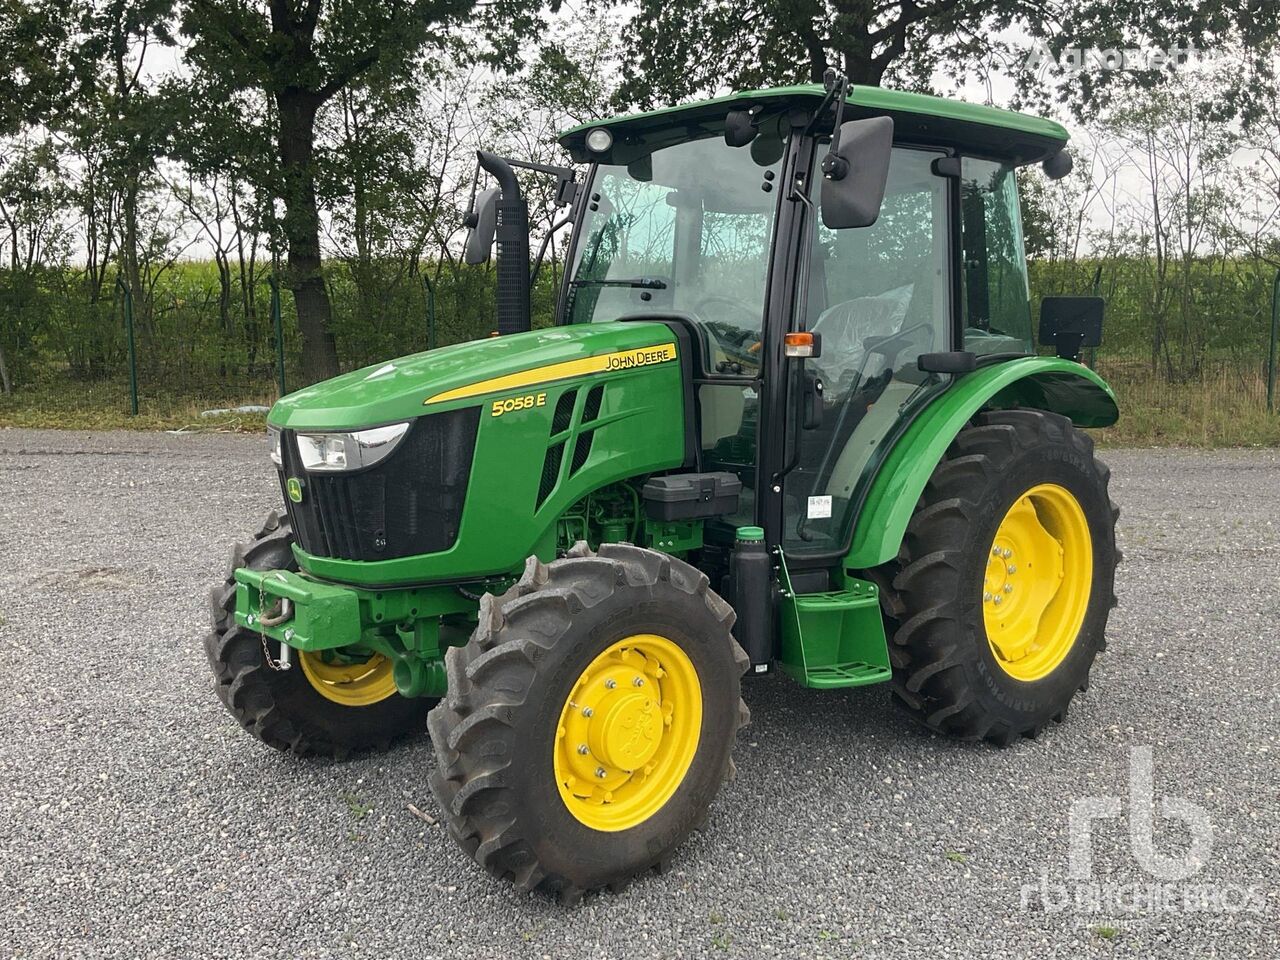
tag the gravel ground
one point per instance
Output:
(139, 821)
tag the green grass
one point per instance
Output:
(1106, 932)
(104, 405)
(1226, 407)
(356, 807)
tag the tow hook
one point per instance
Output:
(279, 612)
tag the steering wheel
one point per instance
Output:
(741, 345)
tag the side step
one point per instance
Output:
(834, 639)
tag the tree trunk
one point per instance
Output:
(4, 373)
(305, 276)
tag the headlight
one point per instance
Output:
(321, 452)
(599, 140)
(273, 446)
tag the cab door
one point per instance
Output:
(879, 296)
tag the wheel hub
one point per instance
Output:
(628, 732)
(352, 683)
(1035, 589)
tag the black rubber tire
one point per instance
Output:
(494, 732)
(282, 709)
(944, 671)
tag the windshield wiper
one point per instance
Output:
(642, 283)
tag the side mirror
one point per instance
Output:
(738, 128)
(482, 224)
(1059, 165)
(854, 174)
(1069, 323)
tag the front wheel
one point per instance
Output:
(1000, 595)
(328, 703)
(589, 720)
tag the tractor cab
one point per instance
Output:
(715, 219)
(790, 414)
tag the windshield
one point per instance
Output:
(685, 229)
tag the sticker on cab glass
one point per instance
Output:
(819, 508)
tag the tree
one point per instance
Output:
(681, 48)
(119, 115)
(33, 39)
(303, 53)
(34, 243)
(1177, 243)
(222, 146)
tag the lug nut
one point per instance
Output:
(600, 773)
(986, 596)
(995, 551)
(1007, 553)
(997, 600)
(638, 681)
(1008, 588)
(588, 712)
(610, 683)
(583, 749)
(1012, 568)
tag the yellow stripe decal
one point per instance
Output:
(603, 363)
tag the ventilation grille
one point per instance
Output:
(408, 504)
(550, 473)
(581, 450)
(564, 412)
(592, 408)
(561, 421)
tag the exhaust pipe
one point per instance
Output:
(513, 246)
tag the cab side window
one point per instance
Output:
(996, 302)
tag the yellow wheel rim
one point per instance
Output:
(350, 684)
(1036, 586)
(628, 732)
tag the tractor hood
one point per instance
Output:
(464, 374)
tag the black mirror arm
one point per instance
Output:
(834, 166)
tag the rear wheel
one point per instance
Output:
(1000, 595)
(329, 703)
(589, 720)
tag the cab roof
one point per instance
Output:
(918, 118)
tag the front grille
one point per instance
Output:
(409, 504)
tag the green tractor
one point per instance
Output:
(790, 417)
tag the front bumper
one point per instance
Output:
(320, 616)
(324, 616)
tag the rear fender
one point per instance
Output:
(1042, 383)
